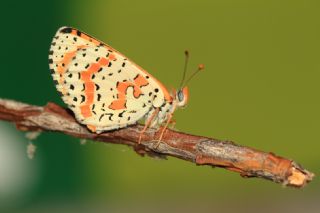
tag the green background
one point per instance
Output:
(260, 88)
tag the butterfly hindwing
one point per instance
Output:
(103, 88)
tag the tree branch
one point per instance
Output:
(197, 149)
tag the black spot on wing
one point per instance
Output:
(110, 116)
(97, 87)
(136, 77)
(83, 98)
(52, 71)
(101, 116)
(66, 30)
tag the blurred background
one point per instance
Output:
(260, 88)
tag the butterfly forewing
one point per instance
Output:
(103, 88)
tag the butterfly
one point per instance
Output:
(106, 90)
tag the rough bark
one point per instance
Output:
(200, 150)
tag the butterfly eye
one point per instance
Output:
(180, 96)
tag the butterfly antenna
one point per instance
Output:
(200, 67)
(186, 53)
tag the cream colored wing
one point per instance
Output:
(103, 88)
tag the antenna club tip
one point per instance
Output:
(186, 52)
(201, 66)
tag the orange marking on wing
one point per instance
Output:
(64, 63)
(122, 90)
(123, 86)
(103, 61)
(118, 104)
(66, 59)
(166, 94)
(74, 32)
(112, 57)
(96, 42)
(85, 111)
(85, 37)
(85, 76)
(93, 68)
(90, 86)
(89, 38)
(141, 81)
(89, 92)
(92, 128)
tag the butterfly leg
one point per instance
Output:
(164, 129)
(172, 123)
(147, 124)
(169, 120)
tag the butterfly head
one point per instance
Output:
(182, 96)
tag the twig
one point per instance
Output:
(197, 149)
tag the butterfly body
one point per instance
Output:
(103, 88)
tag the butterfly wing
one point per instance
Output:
(103, 88)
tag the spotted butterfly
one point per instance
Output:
(105, 89)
